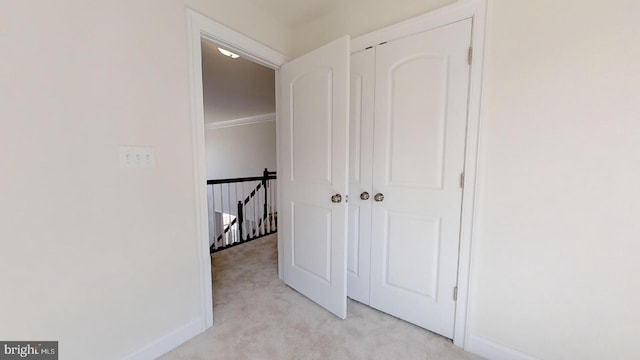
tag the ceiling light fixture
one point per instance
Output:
(228, 53)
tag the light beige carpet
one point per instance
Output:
(256, 316)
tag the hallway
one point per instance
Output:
(256, 316)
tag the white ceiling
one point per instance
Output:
(235, 88)
(296, 12)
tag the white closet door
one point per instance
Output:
(420, 119)
(360, 162)
(313, 161)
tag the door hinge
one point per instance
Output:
(455, 293)
(462, 180)
(470, 55)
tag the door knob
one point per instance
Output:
(337, 198)
(364, 195)
(378, 197)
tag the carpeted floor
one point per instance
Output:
(256, 316)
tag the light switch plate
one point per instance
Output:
(137, 157)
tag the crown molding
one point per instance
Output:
(242, 121)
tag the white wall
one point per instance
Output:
(241, 151)
(555, 271)
(100, 258)
(557, 261)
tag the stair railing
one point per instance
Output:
(242, 209)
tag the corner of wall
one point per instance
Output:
(493, 351)
(168, 342)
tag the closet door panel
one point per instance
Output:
(360, 173)
(420, 120)
(416, 123)
(313, 174)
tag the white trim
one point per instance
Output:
(199, 167)
(460, 10)
(493, 351)
(468, 236)
(279, 171)
(470, 193)
(235, 42)
(168, 342)
(201, 28)
(242, 121)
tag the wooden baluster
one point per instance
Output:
(256, 232)
(263, 203)
(275, 207)
(267, 210)
(240, 221)
(230, 206)
(213, 201)
(237, 227)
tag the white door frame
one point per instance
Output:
(201, 28)
(460, 10)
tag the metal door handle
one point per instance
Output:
(337, 198)
(364, 195)
(378, 197)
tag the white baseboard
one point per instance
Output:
(493, 351)
(168, 342)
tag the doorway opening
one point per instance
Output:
(203, 29)
(240, 142)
